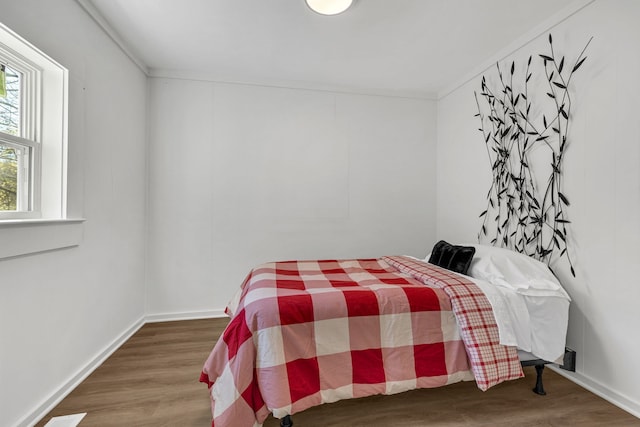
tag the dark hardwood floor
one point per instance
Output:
(152, 380)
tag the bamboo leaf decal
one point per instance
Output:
(575, 67)
(564, 113)
(520, 215)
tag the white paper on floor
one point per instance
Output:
(66, 421)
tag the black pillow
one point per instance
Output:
(452, 257)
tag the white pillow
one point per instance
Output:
(510, 269)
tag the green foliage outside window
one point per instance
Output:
(8, 178)
(10, 124)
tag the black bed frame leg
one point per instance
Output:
(539, 389)
(286, 422)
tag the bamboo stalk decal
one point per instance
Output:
(519, 215)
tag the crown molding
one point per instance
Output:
(97, 17)
(287, 84)
(517, 44)
(514, 46)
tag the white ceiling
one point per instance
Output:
(416, 47)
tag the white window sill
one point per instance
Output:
(29, 236)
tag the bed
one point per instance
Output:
(304, 333)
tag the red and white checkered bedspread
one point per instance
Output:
(313, 332)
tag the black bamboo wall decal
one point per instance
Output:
(519, 215)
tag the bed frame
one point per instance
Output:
(539, 364)
(538, 389)
(569, 364)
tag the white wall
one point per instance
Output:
(242, 174)
(602, 181)
(60, 309)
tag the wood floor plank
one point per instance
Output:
(152, 380)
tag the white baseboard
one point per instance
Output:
(604, 392)
(48, 404)
(188, 315)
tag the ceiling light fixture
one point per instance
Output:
(329, 7)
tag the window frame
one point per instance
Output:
(43, 129)
(28, 188)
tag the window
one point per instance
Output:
(33, 114)
(19, 152)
